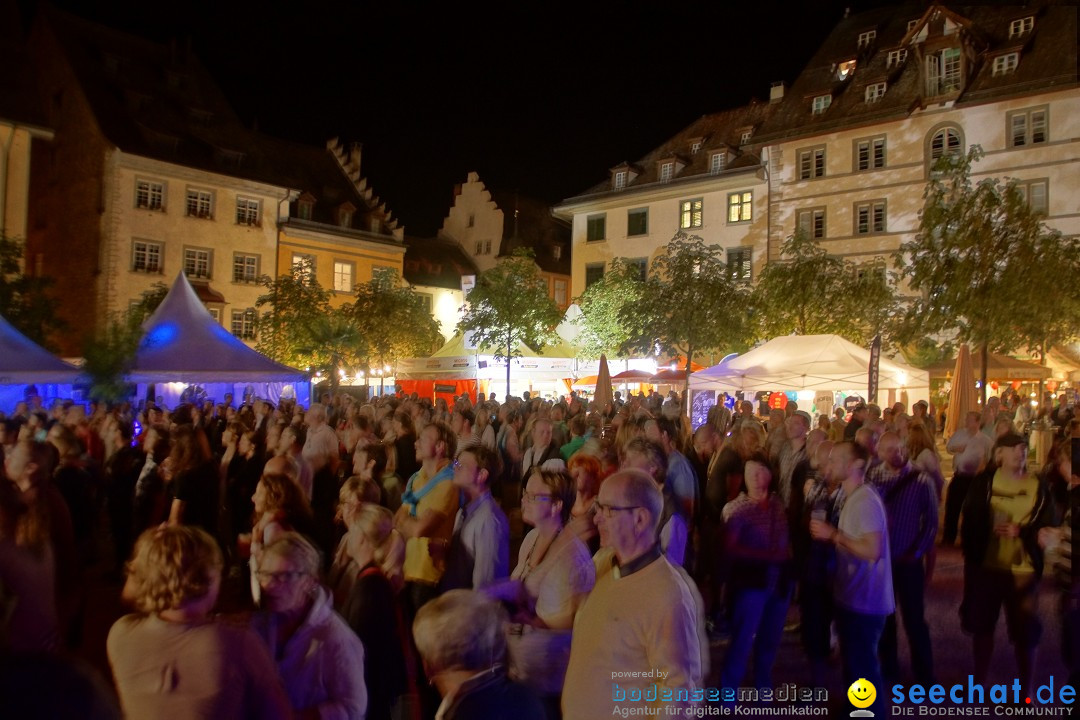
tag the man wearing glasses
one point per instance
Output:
(640, 632)
(479, 550)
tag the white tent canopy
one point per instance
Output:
(24, 362)
(809, 362)
(184, 344)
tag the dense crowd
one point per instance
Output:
(528, 559)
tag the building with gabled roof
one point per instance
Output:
(435, 268)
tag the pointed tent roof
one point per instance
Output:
(22, 361)
(183, 343)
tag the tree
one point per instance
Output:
(394, 321)
(110, 352)
(24, 300)
(510, 306)
(292, 305)
(810, 292)
(971, 261)
(603, 330)
(688, 304)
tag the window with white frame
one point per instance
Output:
(874, 92)
(943, 72)
(642, 266)
(247, 211)
(844, 69)
(637, 222)
(667, 170)
(428, 301)
(384, 276)
(1005, 64)
(146, 256)
(946, 141)
(912, 23)
(745, 136)
(304, 265)
(344, 272)
(896, 57)
(866, 38)
(870, 154)
(150, 194)
(812, 222)
(197, 263)
(596, 227)
(1021, 26)
(740, 206)
(695, 147)
(820, 104)
(716, 163)
(243, 324)
(215, 313)
(619, 180)
(811, 163)
(870, 217)
(200, 203)
(1027, 127)
(740, 264)
(245, 268)
(690, 213)
(1036, 194)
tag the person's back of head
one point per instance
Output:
(461, 630)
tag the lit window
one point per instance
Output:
(945, 142)
(844, 70)
(870, 217)
(620, 180)
(197, 263)
(943, 72)
(821, 104)
(1036, 195)
(1021, 26)
(306, 264)
(245, 268)
(146, 256)
(637, 222)
(666, 171)
(690, 214)
(812, 222)
(343, 276)
(243, 324)
(870, 154)
(811, 163)
(866, 38)
(740, 206)
(895, 57)
(200, 203)
(740, 264)
(1027, 127)
(716, 163)
(1005, 64)
(149, 195)
(247, 211)
(594, 272)
(875, 92)
(596, 227)
(746, 135)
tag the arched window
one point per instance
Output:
(946, 141)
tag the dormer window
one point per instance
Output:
(1021, 26)
(844, 70)
(345, 214)
(896, 57)
(866, 38)
(875, 92)
(667, 170)
(821, 104)
(746, 135)
(912, 23)
(716, 163)
(618, 180)
(695, 147)
(1005, 64)
(556, 252)
(944, 72)
(305, 207)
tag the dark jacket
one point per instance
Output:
(978, 522)
(492, 696)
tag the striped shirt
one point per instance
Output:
(912, 510)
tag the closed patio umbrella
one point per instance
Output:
(603, 396)
(962, 395)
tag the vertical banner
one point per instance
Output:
(468, 282)
(875, 365)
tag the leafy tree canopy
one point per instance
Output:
(603, 330)
(110, 353)
(24, 300)
(394, 321)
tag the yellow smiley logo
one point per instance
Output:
(862, 693)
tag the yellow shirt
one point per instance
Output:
(1010, 501)
(420, 566)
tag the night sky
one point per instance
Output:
(541, 98)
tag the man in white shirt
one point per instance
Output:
(971, 451)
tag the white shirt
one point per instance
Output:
(971, 451)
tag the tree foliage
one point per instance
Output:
(603, 330)
(688, 304)
(24, 300)
(809, 292)
(291, 307)
(972, 262)
(394, 321)
(110, 352)
(510, 306)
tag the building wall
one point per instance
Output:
(475, 222)
(446, 307)
(15, 144)
(363, 255)
(903, 179)
(663, 203)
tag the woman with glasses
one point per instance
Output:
(553, 575)
(318, 656)
(171, 659)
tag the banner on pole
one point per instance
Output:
(875, 368)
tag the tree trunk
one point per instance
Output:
(984, 353)
(1042, 361)
(686, 384)
(508, 336)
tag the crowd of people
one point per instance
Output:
(400, 558)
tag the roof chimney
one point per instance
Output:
(776, 92)
(354, 155)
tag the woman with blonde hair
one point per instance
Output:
(357, 493)
(924, 454)
(370, 609)
(170, 659)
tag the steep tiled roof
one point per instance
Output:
(715, 131)
(19, 99)
(1048, 59)
(436, 262)
(534, 227)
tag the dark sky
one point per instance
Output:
(539, 97)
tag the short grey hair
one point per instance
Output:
(461, 630)
(298, 550)
(640, 490)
